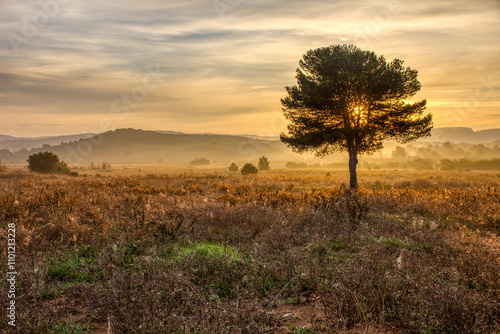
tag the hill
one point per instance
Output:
(18, 143)
(464, 135)
(6, 137)
(129, 145)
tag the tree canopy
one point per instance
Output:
(47, 162)
(352, 100)
(263, 163)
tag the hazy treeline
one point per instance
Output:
(129, 145)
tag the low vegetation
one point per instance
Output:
(413, 252)
(47, 162)
(233, 167)
(264, 164)
(249, 169)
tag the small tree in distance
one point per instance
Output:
(233, 167)
(248, 169)
(399, 153)
(352, 100)
(47, 162)
(263, 164)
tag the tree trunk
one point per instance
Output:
(353, 161)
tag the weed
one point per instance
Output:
(204, 252)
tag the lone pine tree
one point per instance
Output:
(352, 100)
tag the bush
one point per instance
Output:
(249, 169)
(264, 163)
(233, 167)
(200, 162)
(47, 162)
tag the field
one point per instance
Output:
(208, 251)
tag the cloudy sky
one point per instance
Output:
(70, 66)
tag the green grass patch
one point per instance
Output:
(214, 268)
(340, 251)
(209, 250)
(68, 327)
(79, 267)
(398, 243)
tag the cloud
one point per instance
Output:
(222, 68)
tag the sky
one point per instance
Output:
(70, 66)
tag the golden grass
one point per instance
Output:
(154, 251)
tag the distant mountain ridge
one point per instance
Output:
(130, 145)
(464, 135)
(452, 134)
(18, 143)
(6, 137)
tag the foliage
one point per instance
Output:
(47, 162)
(352, 100)
(249, 169)
(399, 153)
(200, 162)
(233, 167)
(263, 164)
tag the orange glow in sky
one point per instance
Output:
(193, 66)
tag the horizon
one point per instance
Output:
(198, 133)
(198, 67)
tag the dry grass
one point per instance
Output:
(214, 252)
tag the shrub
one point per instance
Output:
(233, 167)
(200, 162)
(249, 169)
(47, 162)
(264, 163)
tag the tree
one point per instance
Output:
(233, 167)
(249, 169)
(352, 100)
(263, 163)
(399, 153)
(47, 162)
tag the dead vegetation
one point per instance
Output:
(224, 253)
